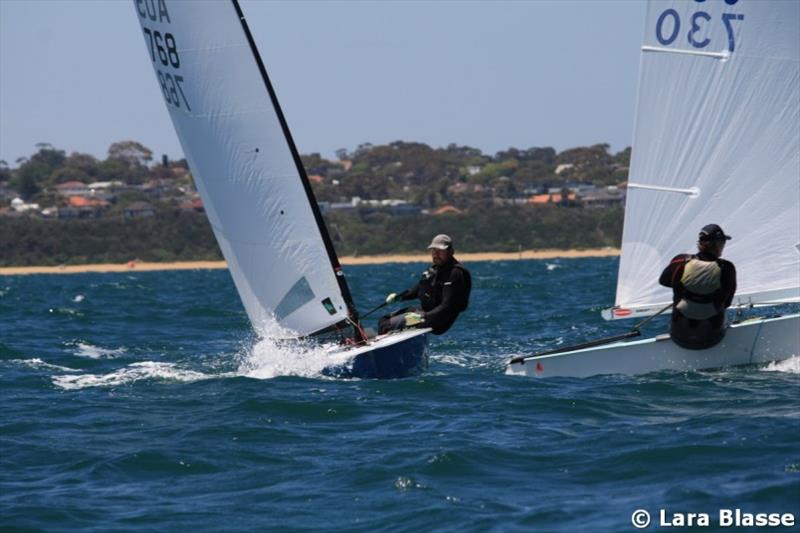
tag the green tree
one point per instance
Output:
(5, 172)
(30, 177)
(130, 152)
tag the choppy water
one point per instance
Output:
(144, 401)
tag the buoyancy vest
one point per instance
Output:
(701, 282)
(433, 282)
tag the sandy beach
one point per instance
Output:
(132, 266)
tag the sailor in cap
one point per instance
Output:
(443, 292)
(703, 286)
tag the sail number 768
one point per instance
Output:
(164, 47)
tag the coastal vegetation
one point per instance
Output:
(71, 209)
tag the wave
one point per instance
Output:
(86, 349)
(791, 366)
(147, 370)
(39, 364)
(269, 358)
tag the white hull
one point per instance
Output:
(750, 342)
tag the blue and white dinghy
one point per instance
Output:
(716, 140)
(255, 189)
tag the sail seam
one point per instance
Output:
(229, 114)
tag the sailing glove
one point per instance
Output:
(391, 298)
(413, 319)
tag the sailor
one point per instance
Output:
(443, 292)
(703, 286)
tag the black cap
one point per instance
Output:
(713, 232)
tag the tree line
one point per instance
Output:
(413, 172)
(185, 236)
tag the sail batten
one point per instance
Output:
(717, 55)
(724, 135)
(245, 166)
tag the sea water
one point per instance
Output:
(144, 400)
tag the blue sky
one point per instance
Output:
(485, 74)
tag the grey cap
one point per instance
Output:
(441, 242)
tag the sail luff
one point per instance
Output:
(332, 256)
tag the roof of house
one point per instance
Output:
(82, 201)
(71, 185)
(446, 209)
(544, 198)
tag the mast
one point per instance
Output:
(334, 259)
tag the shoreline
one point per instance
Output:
(142, 266)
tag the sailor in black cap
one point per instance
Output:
(703, 286)
(443, 293)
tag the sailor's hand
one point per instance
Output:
(412, 319)
(391, 298)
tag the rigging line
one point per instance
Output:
(634, 332)
(716, 55)
(358, 329)
(651, 317)
(693, 192)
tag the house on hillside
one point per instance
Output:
(20, 206)
(602, 198)
(446, 210)
(105, 186)
(83, 201)
(156, 188)
(139, 210)
(64, 213)
(405, 209)
(192, 204)
(554, 198)
(563, 168)
(73, 188)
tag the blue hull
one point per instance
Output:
(393, 361)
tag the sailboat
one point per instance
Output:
(716, 140)
(255, 190)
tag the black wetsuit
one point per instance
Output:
(698, 334)
(443, 293)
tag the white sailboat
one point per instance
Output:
(716, 140)
(255, 189)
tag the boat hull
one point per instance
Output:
(395, 355)
(751, 342)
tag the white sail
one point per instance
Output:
(716, 140)
(244, 163)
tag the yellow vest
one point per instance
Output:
(700, 278)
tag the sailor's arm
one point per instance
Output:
(408, 294)
(669, 273)
(728, 282)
